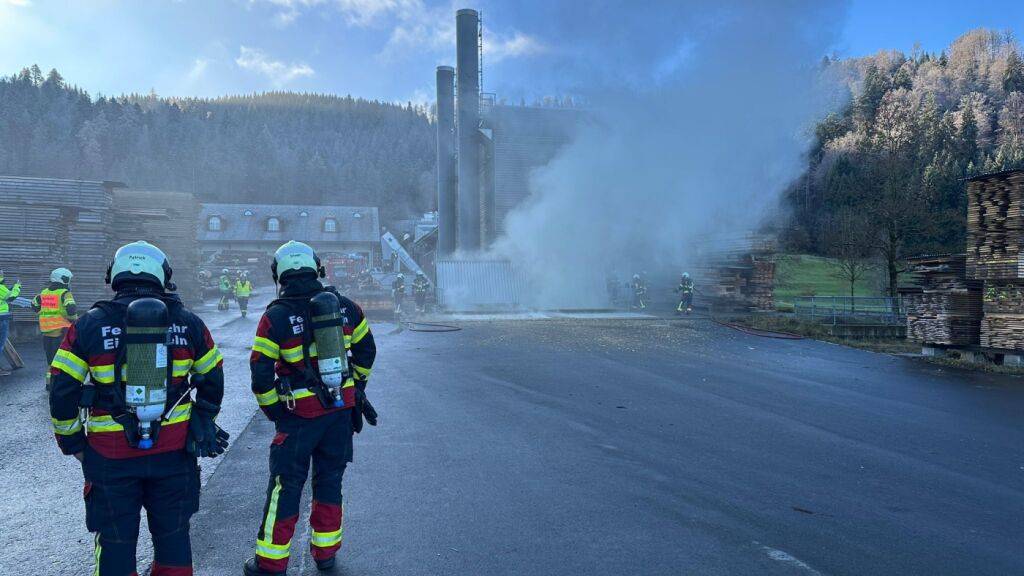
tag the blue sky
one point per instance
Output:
(387, 49)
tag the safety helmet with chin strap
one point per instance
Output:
(295, 257)
(140, 261)
(61, 276)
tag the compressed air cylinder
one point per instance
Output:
(145, 371)
(332, 358)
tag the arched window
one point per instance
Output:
(330, 225)
(247, 212)
(273, 224)
(213, 224)
(303, 214)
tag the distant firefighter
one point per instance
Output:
(639, 292)
(685, 290)
(398, 292)
(7, 295)
(224, 287)
(243, 290)
(57, 310)
(420, 287)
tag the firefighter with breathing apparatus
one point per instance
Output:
(420, 287)
(398, 292)
(57, 310)
(685, 290)
(310, 361)
(639, 292)
(129, 367)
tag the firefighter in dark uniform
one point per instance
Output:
(143, 430)
(314, 414)
(398, 292)
(420, 287)
(639, 292)
(685, 290)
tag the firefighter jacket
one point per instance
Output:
(420, 285)
(685, 286)
(283, 337)
(225, 284)
(87, 357)
(243, 289)
(7, 294)
(56, 308)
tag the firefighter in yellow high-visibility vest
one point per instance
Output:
(57, 310)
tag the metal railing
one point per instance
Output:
(846, 310)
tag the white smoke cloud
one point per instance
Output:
(698, 136)
(279, 73)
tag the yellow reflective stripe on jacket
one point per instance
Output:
(106, 423)
(208, 361)
(182, 367)
(267, 347)
(66, 427)
(70, 364)
(360, 331)
(349, 383)
(268, 398)
(364, 372)
(326, 539)
(298, 393)
(293, 355)
(103, 374)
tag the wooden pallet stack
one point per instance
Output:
(168, 220)
(945, 307)
(995, 238)
(48, 223)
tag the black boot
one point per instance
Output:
(325, 564)
(253, 569)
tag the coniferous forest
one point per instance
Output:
(275, 147)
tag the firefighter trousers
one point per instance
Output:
(326, 441)
(116, 491)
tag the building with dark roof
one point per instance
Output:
(351, 231)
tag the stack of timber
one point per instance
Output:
(737, 272)
(168, 220)
(995, 226)
(945, 307)
(1003, 324)
(49, 223)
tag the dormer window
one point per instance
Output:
(273, 224)
(304, 214)
(247, 212)
(330, 225)
(214, 224)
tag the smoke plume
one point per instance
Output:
(699, 116)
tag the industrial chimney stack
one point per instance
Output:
(467, 26)
(447, 193)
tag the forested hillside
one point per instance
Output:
(273, 147)
(891, 163)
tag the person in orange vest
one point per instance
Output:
(56, 308)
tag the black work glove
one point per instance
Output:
(205, 438)
(362, 410)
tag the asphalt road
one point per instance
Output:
(605, 446)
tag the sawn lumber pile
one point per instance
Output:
(737, 273)
(995, 226)
(168, 220)
(946, 308)
(1003, 324)
(47, 223)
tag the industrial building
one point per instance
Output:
(240, 234)
(486, 154)
(486, 150)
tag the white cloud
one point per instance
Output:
(356, 12)
(498, 47)
(17, 3)
(278, 72)
(198, 68)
